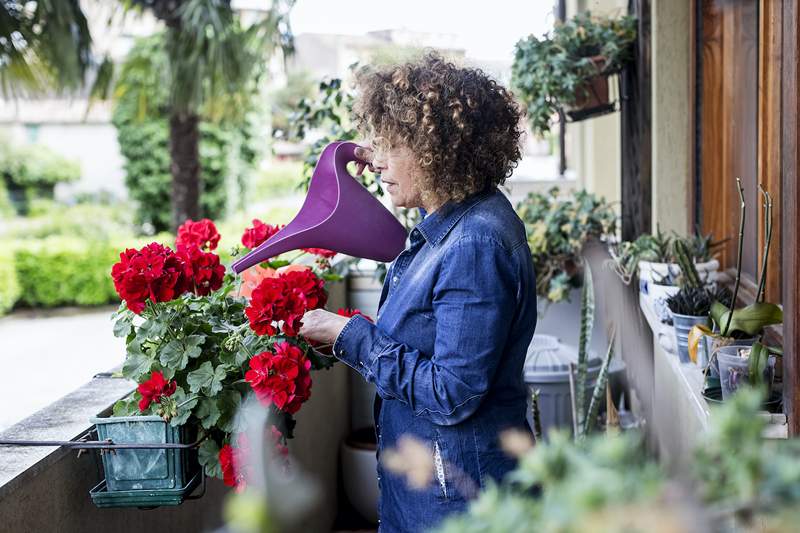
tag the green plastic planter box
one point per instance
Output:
(146, 469)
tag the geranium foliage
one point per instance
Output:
(198, 343)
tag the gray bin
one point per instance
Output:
(547, 369)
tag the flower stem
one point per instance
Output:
(742, 212)
(767, 241)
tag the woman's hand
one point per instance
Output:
(366, 156)
(322, 326)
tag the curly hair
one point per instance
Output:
(464, 128)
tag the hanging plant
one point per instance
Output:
(568, 68)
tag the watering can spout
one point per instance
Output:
(338, 214)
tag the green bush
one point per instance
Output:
(228, 150)
(58, 271)
(9, 285)
(64, 271)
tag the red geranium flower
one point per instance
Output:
(154, 389)
(231, 460)
(281, 378)
(322, 252)
(154, 272)
(351, 312)
(266, 306)
(259, 233)
(207, 272)
(308, 285)
(285, 299)
(201, 234)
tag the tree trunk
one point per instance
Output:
(185, 167)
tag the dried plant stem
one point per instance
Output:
(742, 213)
(767, 242)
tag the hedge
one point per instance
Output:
(9, 284)
(58, 271)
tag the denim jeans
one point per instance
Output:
(446, 354)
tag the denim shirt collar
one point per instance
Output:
(437, 225)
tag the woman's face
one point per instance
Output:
(399, 170)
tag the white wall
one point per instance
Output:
(93, 145)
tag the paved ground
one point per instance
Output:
(45, 355)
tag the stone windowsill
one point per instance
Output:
(64, 419)
(689, 377)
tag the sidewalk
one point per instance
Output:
(45, 355)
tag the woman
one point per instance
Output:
(458, 307)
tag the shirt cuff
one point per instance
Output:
(354, 343)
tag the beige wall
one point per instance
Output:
(671, 114)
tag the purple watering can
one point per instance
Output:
(338, 214)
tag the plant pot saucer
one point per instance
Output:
(713, 395)
(145, 498)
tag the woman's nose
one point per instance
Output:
(379, 165)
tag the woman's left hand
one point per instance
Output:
(322, 326)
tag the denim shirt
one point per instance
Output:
(446, 355)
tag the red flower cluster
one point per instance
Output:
(232, 461)
(201, 234)
(206, 271)
(154, 389)
(322, 252)
(281, 378)
(285, 298)
(154, 272)
(259, 233)
(351, 312)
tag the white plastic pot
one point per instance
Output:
(652, 277)
(360, 474)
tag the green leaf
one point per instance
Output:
(173, 355)
(122, 327)
(757, 363)
(183, 407)
(152, 329)
(228, 403)
(206, 378)
(751, 319)
(208, 455)
(176, 353)
(127, 406)
(193, 344)
(207, 412)
(136, 363)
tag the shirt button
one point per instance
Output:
(394, 280)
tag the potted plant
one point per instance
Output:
(691, 305)
(568, 69)
(740, 327)
(557, 228)
(198, 342)
(653, 260)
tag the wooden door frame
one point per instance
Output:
(790, 216)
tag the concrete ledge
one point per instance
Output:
(65, 419)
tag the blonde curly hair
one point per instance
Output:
(464, 128)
